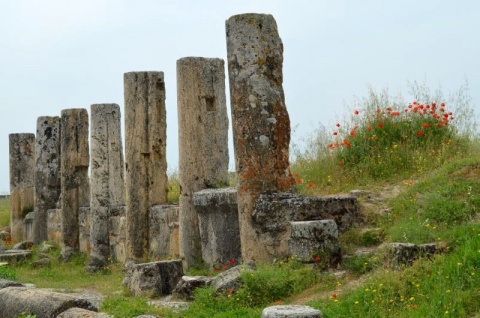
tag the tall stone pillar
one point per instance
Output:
(145, 156)
(203, 142)
(261, 125)
(74, 176)
(107, 188)
(22, 154)
(47, 174)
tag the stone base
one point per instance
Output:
(404, 254)
(219, 227)
(163, 232)
(15, 256)
(315, 241)
(153, 279)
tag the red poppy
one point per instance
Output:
(341, 163)
(231, 261)
(311, 184)
(369, 128)
(317, 259)
(442, 104)
(380, 125)
(299, 180)
(352, 133)
(420, 134)
(424, 125)
(439, 125)
(334, 295)
(356, 112)
(338, 125)
(414, 102)
(335, 133)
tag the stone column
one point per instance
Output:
(106, 182)
(74, 176)
(261, 125)
(203, 142)
(145, 156)
(22, 154)
(47, 174)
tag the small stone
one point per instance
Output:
(291, 311)
(187, 285)
(44, 262)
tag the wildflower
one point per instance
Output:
(317, 259)
(356, 112)
(414, 306)
(424, 125)
(334, 295)
(311, 184)
(352, 133)
(224, 267)
(380, 125)
(335, 133)
(298, 180)
(420, 134)
(341, 163)
(278, 302)
(338, 125)
(369, 127)
(439, 125)
(442, 104)
(231, 261)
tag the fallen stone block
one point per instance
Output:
(312, 241)
(44, 304)
(187, 285)
(153, 279)
(230, 280)
(15, 256)
(217, 212)
(402, 255)
(291, 311)
(4, 283)
(25, 245)
(82, 313)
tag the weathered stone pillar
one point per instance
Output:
(106, 182)
(145, 156)
(74, 175)
(22, 154)
(203, 142)
(261, 126)
(47, 174)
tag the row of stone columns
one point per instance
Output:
(261, 131)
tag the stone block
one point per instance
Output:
(230, 280)
(163, 231)
(310, 239)
(84, 227)
(15, 256)
(82, 313)
(28, 226)
(187, 285)
(291, 311)
(273, 213)
(117, 230)
(401, 255)
(4, 283)
(44, 304)
(54, 225)
(153, 279)
(218, 222)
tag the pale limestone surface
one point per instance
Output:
(22, 166)
(163, 232)
(203, 141)
(261, 125)
(145, 156)
(47, 173)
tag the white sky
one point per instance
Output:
(57, 54)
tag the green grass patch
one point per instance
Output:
(4, 213)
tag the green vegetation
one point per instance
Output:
(4, 213)
(436, 174)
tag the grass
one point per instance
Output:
(4, 213)
(438, 173)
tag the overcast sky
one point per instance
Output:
(58, 54)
